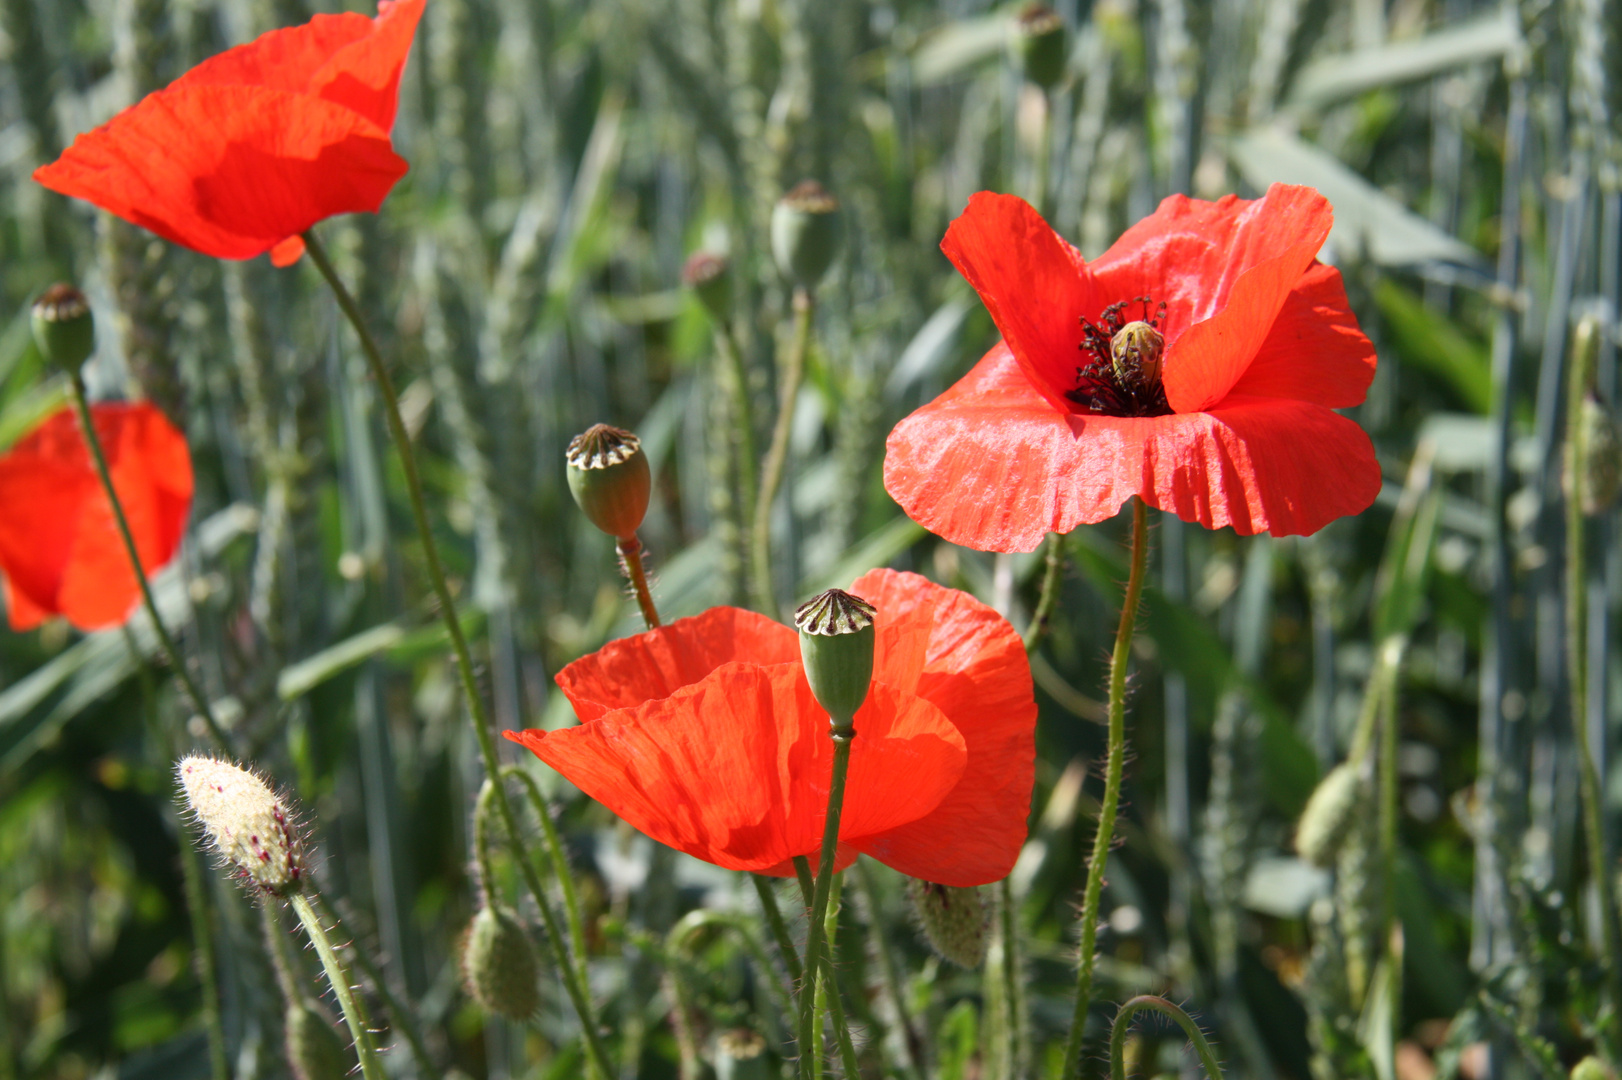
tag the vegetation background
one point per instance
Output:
(525, 276)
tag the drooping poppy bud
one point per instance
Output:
(314, 1049)
(1329, 814)
(1039, 43)
(805, 233)
(252, 829)
(955, 922)
(609, 478)
(710, 277)
(64, 329)
(836, 647)
(498, 965)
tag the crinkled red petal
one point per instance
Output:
(1315, 351)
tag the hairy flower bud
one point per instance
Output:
(64, 329)
(1329, 814)
(609, 478)
(250, 827)
(836, 647)
(710, 277)
(956, 922)
(1135, 353)
(315, 1051)
(498, 965)
(805, 233)
(1039, 42)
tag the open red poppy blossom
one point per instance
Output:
(60, 552)
(704, 735)
(250, 148)
(1194, 364)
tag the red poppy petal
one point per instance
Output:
(977, 674)
(1036, 286)
(21, 612)
(652, 665)
(229, 171)
(43, 480)
(1315, 351)
(287, 252)
(734, 769)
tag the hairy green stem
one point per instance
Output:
(353, 1008)
(477, 713)
(843, 734)
(560, 865)
(771, 474)
(889, 968)
(774, 922)
(208, 965)
(744, 416)
(1014, 982)
(829, 986)
(1119, 660)
(630, 550)
(1123, 1019)
(81, 405)
(405, 1022)
(1050, 591)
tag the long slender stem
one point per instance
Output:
(630, 550)
(777, 454)
(560, 865)
(779, 928)
(1123, 1019)
(477, 713)
(743, 413)
(1050, 591)
(889, 968)
(208, 964)
(405, 1022)
(354, 1009)
(200, 702)
(830, 987)
(1014, 979)
(843, 734)
(1112, 791)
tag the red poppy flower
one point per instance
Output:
(704, 735)
(249, 149)
(60, 551)
(1219, 410)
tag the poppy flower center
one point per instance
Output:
(1122, 374)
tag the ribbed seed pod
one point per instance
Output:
(610, 479)
(315, 1051)
(498, 965)
(836, 647)
(956, 922)
(805, 233)
(1039, 43)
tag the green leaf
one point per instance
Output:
(1426, 339)
(1475, 41)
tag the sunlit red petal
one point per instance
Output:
(627, 672)
(1315, 351)
(1035, 286)
(734, 769)
(974, 669)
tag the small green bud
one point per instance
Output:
(315, 1051)
(1039, 42)
(836, 647)
(64, 329)
(956, 922)
(805, 233)
(1329, 814)
(710, 277)
(498, 965)
(609, 478)
(1592, 1068)
(1135, 353)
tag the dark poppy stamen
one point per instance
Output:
(1122, 373)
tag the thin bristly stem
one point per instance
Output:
(353, 1008)
(81, 405)
(1050, 591)
(843, 735)
(726, 344)
(1013, 975)
(771, 474)
(560, 865)
(630, 550)
(404, 1021)
(830, 980)
(1112, 791)
(477, 713)
(779, 928)
(888, 967)
(1123, 1018)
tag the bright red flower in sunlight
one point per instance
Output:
(60, 552)
(1195, 363)
(704, 735)
(249, 149)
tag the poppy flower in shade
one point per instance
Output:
(250, 148)
(1195, 364)
(60, 551)
(704, 735)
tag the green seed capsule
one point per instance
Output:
(64, 329)
(315, 1051)
(1135, 353)
(610, 480)
(956, 922)
(1039, 43)
(836, 647)
(498, 965)
(710, 277)
(1329, 814)
(805, 233)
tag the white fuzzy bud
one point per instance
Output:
(251, 828)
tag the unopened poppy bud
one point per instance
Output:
(250, 827)
(710, 277)
(836, 647)
(1135, 353)
(609, 478)
(64, 329)
(498, 965)
(1039, 42)
(955, 921)
(1600, 481)
(314, 1049)
(805, 233)
(1328, 816)
(1591, 1068)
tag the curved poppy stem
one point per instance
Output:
(477, 713)
(779, 928)
(843, 734)
(1112, 790)
(771, 474)
(560, 864)
(630, 550)
(1050, 592)
(199, 701)
(1123, 1019)
(353, 1008)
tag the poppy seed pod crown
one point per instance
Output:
(805, 233)
(836, 647)
(710, 277)
(609, 478)
(1039, 41)
(64, 329)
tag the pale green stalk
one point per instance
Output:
(793, 374)
(1123, 1018)
(353, 1008)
